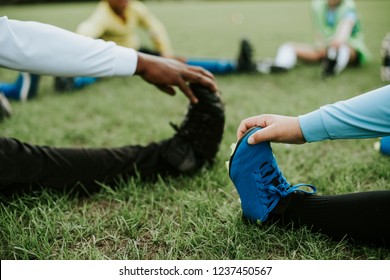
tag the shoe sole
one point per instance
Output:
(211, 107)
(207, 99)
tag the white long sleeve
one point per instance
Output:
(44, 49)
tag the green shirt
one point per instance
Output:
(327, 30)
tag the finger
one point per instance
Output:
(209, 83)
(187, 91)
(167, 89)
(247, 124)
(199, 78)
(202, 71)
(262, 135)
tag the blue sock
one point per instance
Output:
(25, 87)
(216, 66)
(385, 145)
(80, 82)
(12, 89)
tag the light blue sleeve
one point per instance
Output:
(364, 116)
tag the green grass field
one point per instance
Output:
(198, 217)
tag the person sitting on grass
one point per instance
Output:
(266, 196)
(35, 47)
(340, 41)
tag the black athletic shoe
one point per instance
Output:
(200, 133)
(385, 53)
(5, 108)
(328, 68)
(329, 63)
(63, 84)
(245, 58)
(267, 66)
(180, 156)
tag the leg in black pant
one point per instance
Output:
(23, 164)
(195, 143)
(363, 217)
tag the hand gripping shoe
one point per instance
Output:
(202, 128)
(258, 180)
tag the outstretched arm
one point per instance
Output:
(364, 116)
(44, 49)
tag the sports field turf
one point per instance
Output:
(198, 217)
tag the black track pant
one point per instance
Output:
(363, 217)
(22, 164)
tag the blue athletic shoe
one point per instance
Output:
(258, 180)
(66, 84)
(25, 87)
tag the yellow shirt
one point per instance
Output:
(105, 24)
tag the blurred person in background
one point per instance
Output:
(340, 41)
(383, 145)
(119, 20)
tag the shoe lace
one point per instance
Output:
(274, 185)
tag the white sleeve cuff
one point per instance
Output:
(126, 61)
